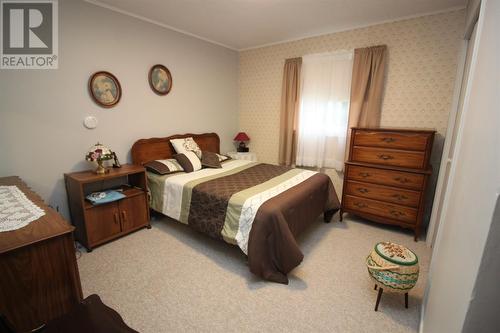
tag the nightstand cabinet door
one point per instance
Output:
(133, 212)
(102, 222)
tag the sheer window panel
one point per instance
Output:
(324, 107)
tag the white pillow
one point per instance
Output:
(186, 144)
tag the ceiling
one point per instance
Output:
(244, 24)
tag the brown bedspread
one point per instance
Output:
(266, 228)
(272, 248)
(209, 200)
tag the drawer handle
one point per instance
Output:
(402, 180)
(385, 157)
(117, 218)
(388, 140)
(400, 196)
(124, 216)
(359, 204)
(362, 190)
(397, 213)
(364, 174)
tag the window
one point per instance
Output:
(324, 108)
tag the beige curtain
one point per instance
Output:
(367, 86)
(290, 98)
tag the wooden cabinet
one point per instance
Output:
(133, 213)
(386, 175)
(38, 271)
(102, 223)
(98, 224)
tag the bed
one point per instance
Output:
(259, 207)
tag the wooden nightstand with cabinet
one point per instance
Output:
(98, 224)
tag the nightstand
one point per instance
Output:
(242, 156)
(97, 224)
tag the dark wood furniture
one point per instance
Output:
(91, 315)
(386, 175)
(38, 271)
(145, 150)
(98, 224)
(379, 295)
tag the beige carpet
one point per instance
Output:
(172, 279)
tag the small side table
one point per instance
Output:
(99, 224)
(242, 156)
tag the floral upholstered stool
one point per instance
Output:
(392, 267)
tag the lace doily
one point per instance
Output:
(16, 210)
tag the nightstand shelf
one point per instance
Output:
(128, 191)
(98, 224)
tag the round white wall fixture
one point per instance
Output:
(90, 122)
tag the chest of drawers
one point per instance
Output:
(386, 175)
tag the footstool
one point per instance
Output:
(392, 267)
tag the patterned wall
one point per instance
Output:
(423, 54)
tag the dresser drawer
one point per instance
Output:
(400, 158)
(395, 212)
(383, 193)
(408, 180)
(396, 140)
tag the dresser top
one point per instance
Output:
(89, 176)
(50, 225)
(396, 129)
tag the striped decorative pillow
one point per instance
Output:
(210, 160)
(164, 167)
(189, 161)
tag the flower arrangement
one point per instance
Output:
(99, 153)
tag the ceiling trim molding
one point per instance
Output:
(361, 26)
(166, 26)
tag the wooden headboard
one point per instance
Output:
(145, 150)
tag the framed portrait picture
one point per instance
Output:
(160, 79)
(105, 89)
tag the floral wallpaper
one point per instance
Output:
(422, 64)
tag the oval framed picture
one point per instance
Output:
(160, 79)
(105, 89)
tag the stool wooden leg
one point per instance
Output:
(380, 291)
(406, 300)
(375, 287)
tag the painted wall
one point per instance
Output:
(482, 315)
(468, 213)
(41, 111)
